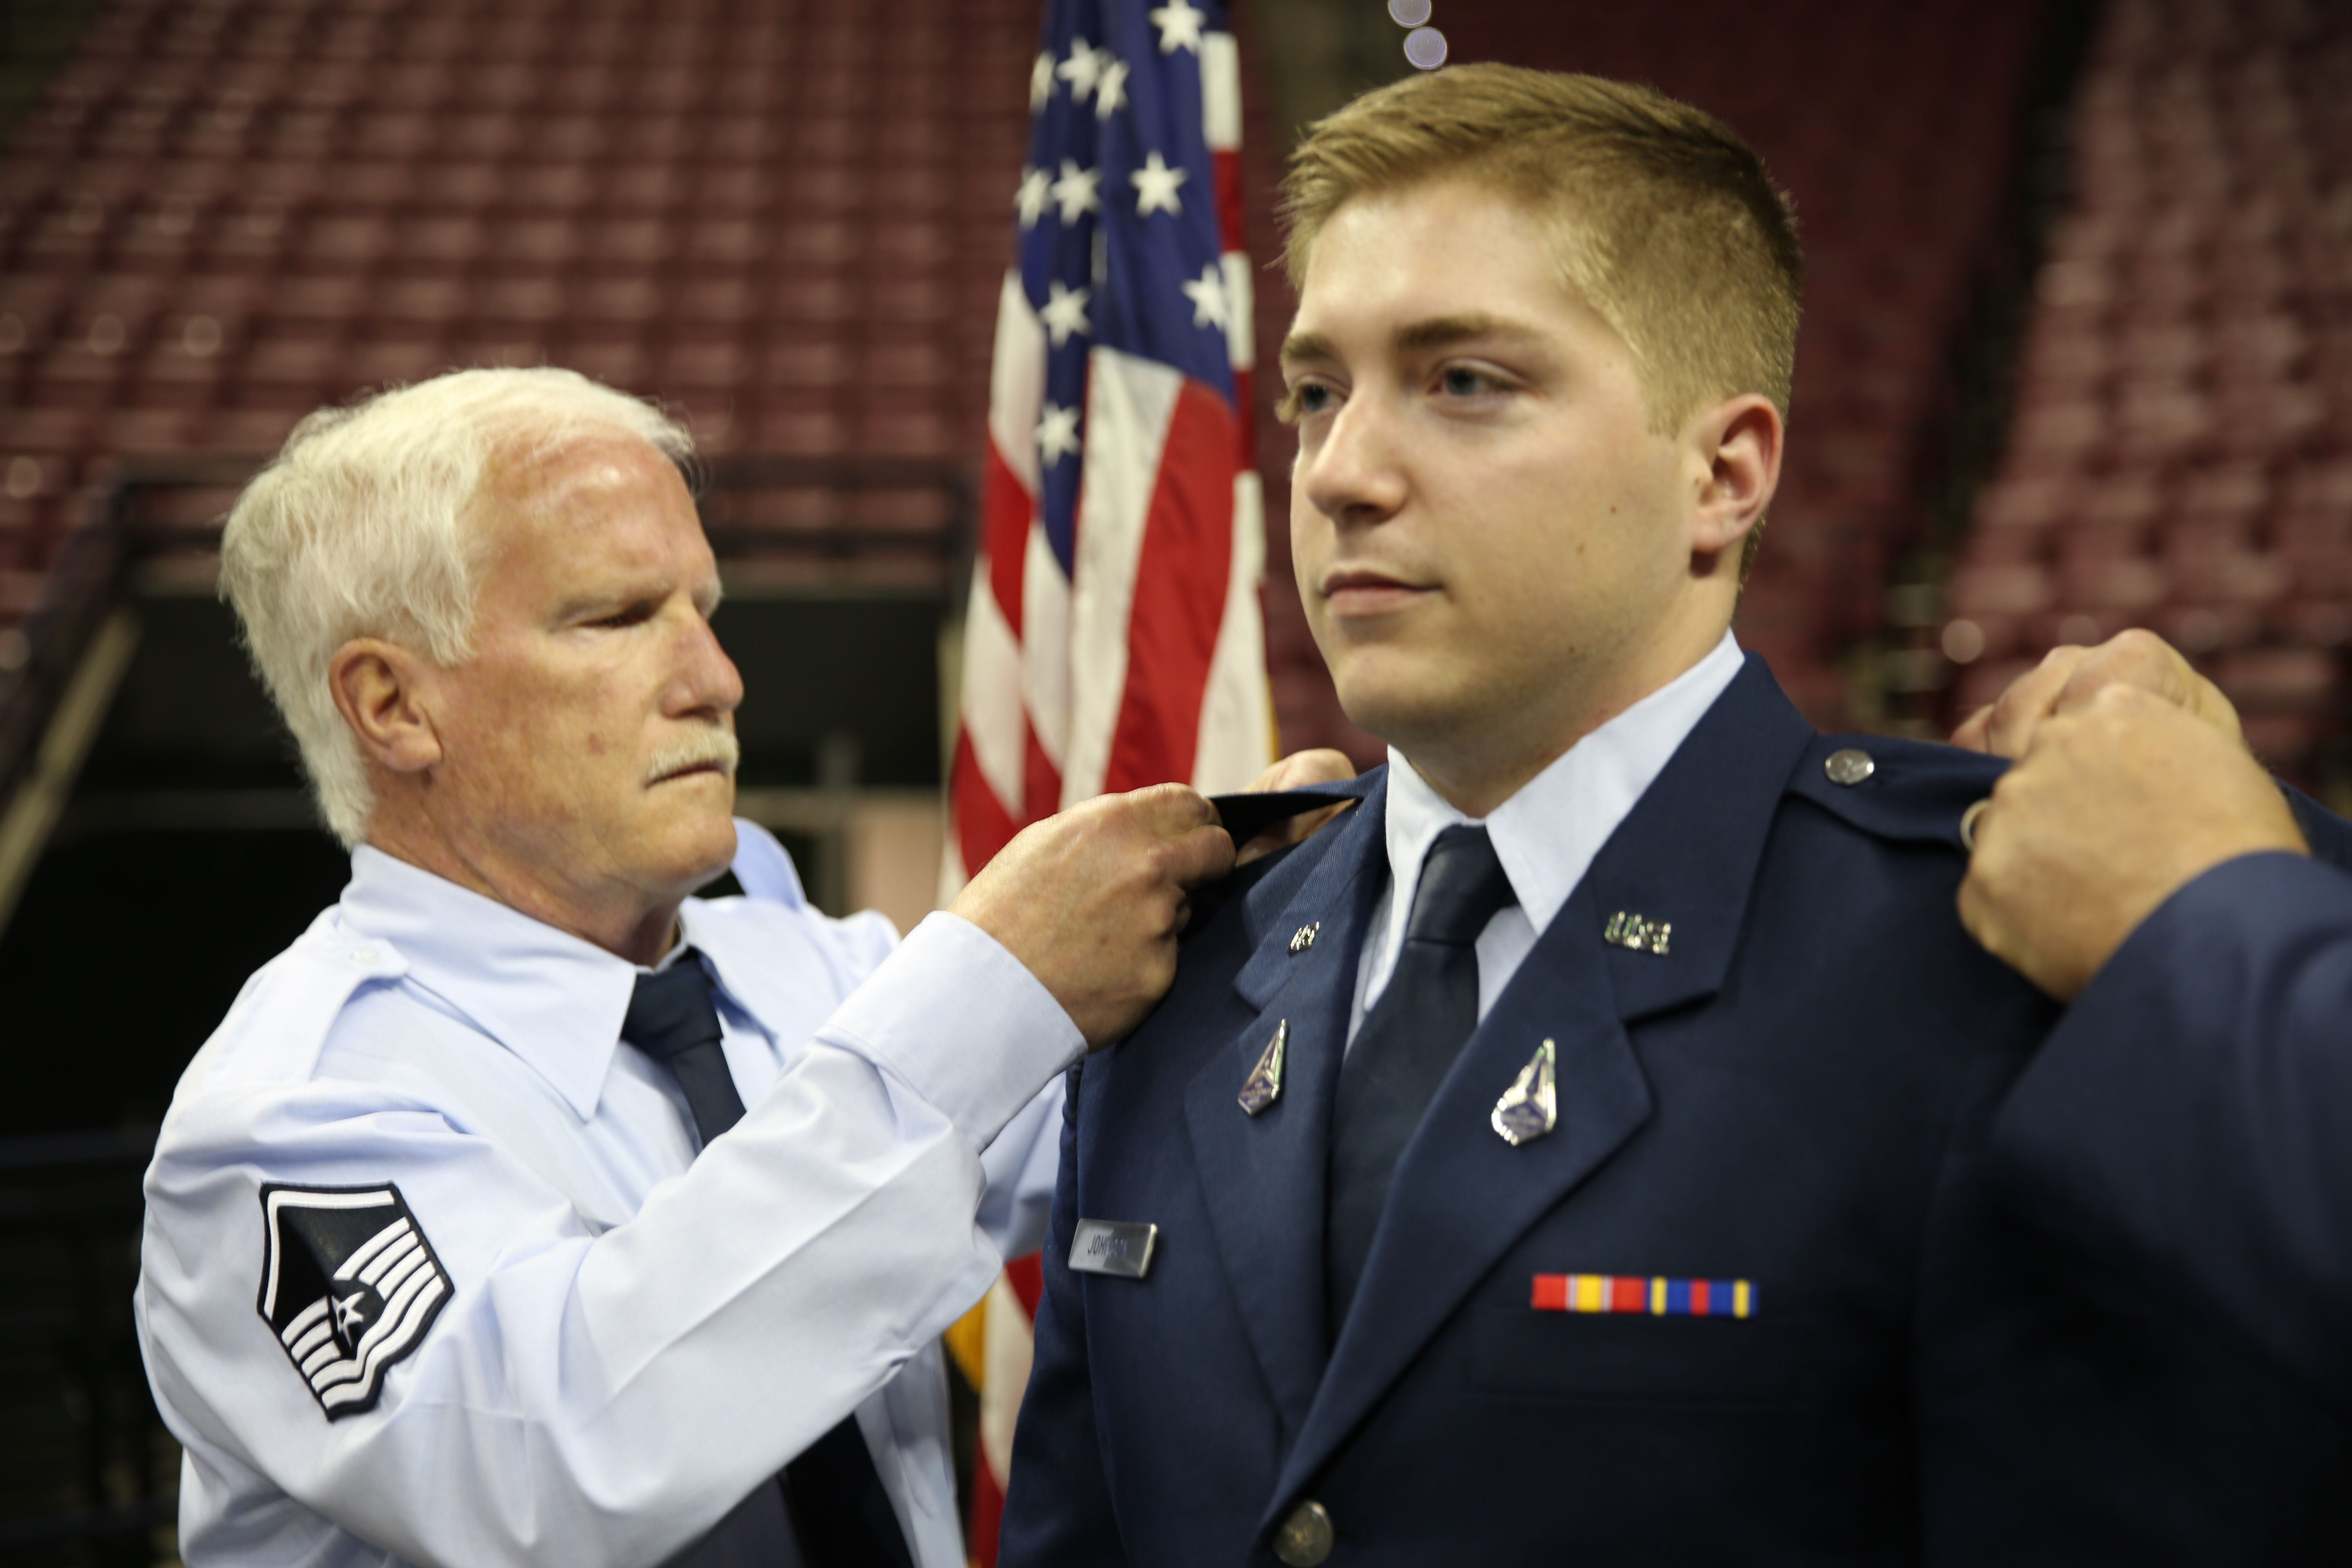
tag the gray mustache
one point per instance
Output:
(705, 747)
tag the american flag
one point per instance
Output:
(1114, 638)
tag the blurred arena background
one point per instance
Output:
(2077, 355)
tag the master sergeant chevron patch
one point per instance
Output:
(350, 1285)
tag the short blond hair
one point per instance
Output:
(365, 525)
(1669, 227)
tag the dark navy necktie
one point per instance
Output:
(1408, 1041)
(838, 1508)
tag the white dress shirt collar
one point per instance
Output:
(1547, 835)
(552, 999)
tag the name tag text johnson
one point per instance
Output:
(1122, 1248)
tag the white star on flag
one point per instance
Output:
(1057, 435)
(1155, 186)
(1076, 191)
(1040, 82)
(1065, 311)
(1179, 26)
(1037, 192)
(1082, 68)
(1208, 296)
(1111, 92)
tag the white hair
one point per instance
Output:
(362, 526)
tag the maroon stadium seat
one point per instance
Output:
(2183, 432)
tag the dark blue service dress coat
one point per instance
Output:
(2190, 1119)
(1795, 1094)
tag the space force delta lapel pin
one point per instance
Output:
(350, 1285)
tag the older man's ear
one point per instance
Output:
(379, 686)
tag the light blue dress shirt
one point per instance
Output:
(1546, 835)
(633, 1339)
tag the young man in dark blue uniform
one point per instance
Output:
(1576, 1151)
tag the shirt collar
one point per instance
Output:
(742, 971)
(550, 998)
(1547, 835)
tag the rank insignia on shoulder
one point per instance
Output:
(1638, 933)
(1530, 1107)
(350, 1285)
(1263, 1084)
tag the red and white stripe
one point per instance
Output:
(1147, 663)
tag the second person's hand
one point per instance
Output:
(1091, 901)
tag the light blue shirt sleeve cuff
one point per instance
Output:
(962, 1022)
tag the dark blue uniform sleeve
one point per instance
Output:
(1058, 1507)
(2191, 1115)
(2329, 836)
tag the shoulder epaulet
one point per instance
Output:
(1913, 790)
(1280, 872)
(278, 1023)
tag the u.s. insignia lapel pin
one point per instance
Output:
(1639, 932)
(1529, 1106)
(1264, 1086)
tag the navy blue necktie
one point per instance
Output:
(1408, 1041)
(834, 1496)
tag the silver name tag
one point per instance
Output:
(1120, 1246)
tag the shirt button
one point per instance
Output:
(364, 955)
(1848, 766)
(1305, 1539)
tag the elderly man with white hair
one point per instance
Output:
(446, 1258)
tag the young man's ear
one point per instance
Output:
(1736, 445)
(379, 687)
